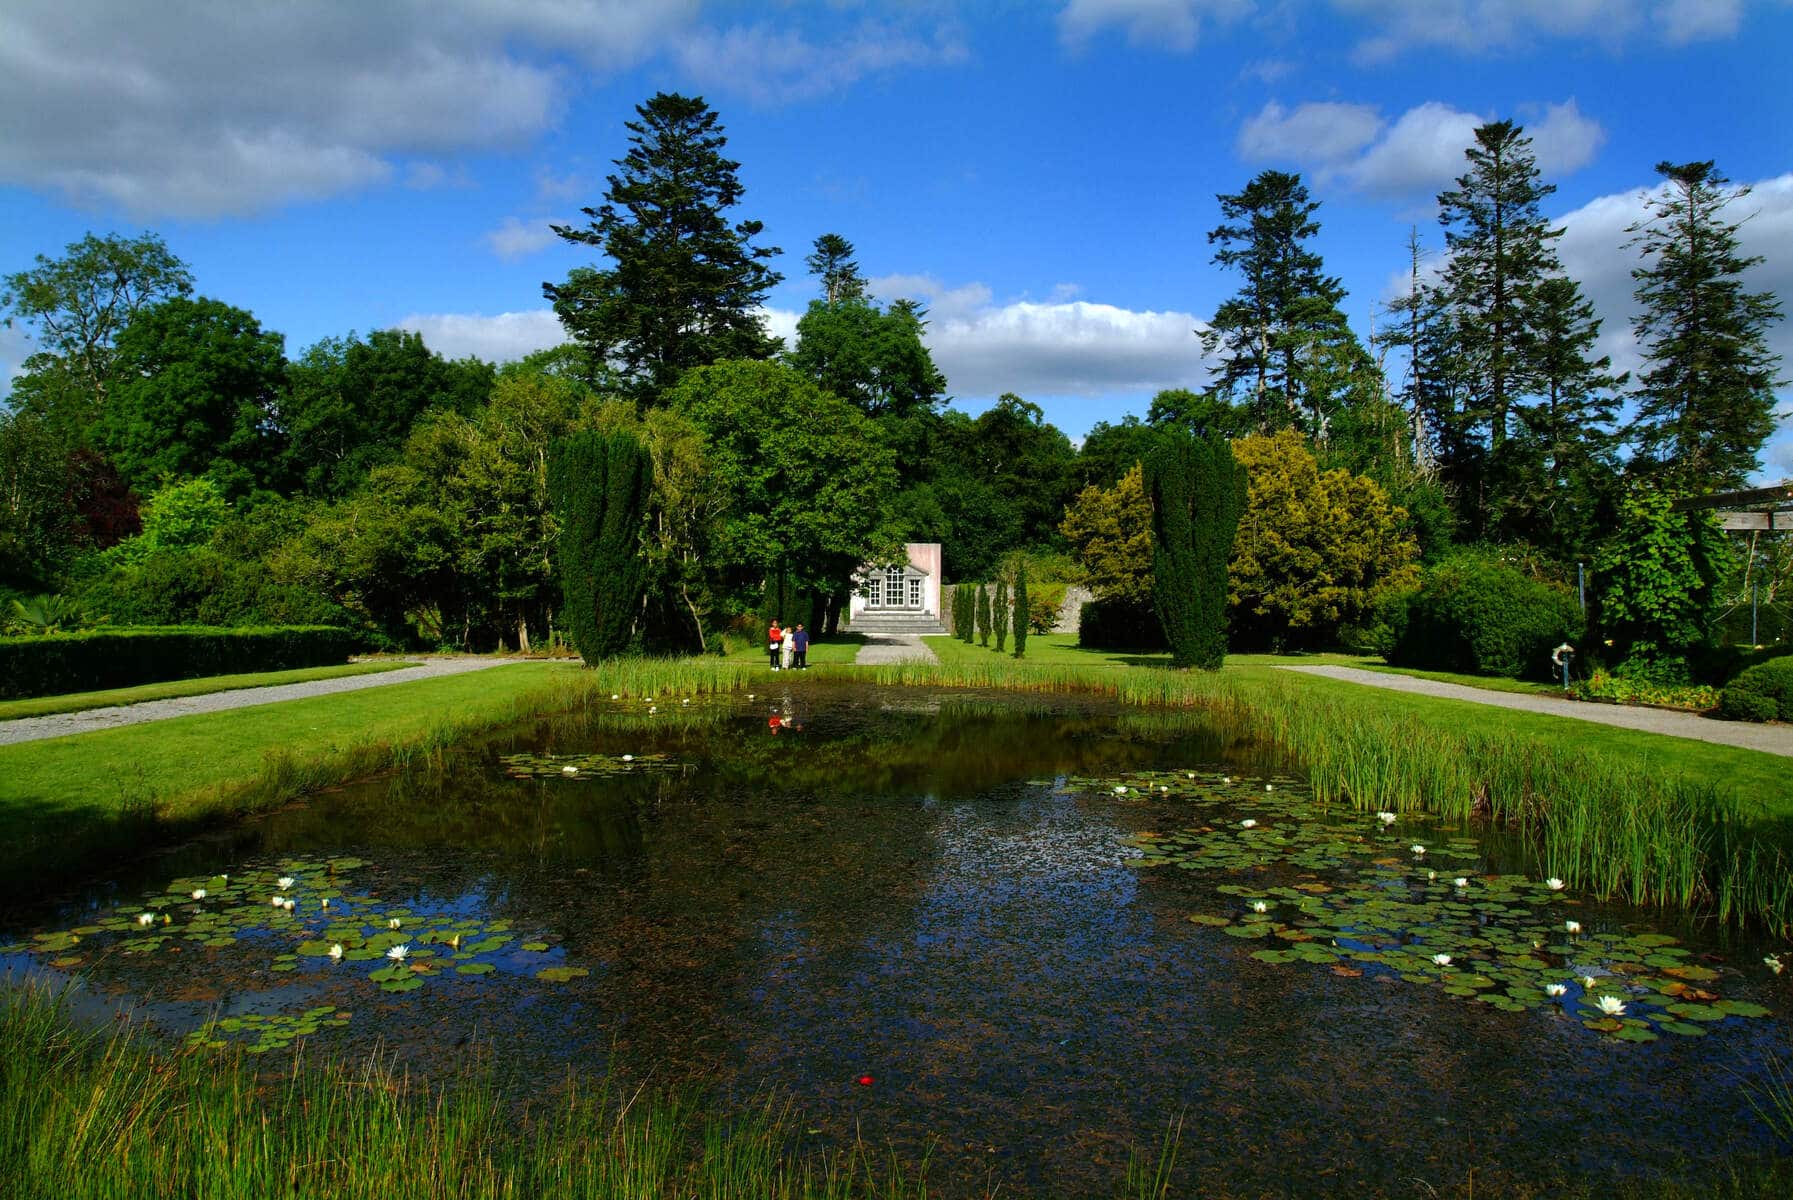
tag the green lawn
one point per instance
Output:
(43, 706)
(1043, 650)
(838, 650)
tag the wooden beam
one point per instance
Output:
(1782, 494)
(1771, 522)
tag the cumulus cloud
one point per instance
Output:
(515, 238)
(769, 65)
(1058, 347)
(1418, 153)
(1158, 24)
(504, 337)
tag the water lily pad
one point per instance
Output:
(475, 968)
(560, 974)
(408, 984)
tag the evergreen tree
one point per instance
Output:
(999, 613)
(1198, 494)
(1282, 334)
(599, 485)
(685, 285)
(1705, 400)
(1021, 609)
(983, 615)
(832, 262)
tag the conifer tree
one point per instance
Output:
(983, 615)
(831, 261)
(1705, 397)
(685, 286)
(1198, 494)
(599, 485)
(999, 614)
(1021, 609)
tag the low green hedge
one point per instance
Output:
(1763, 692)
(111, 658)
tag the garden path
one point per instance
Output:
(893, 648)
(1771, 739)
(32, 729)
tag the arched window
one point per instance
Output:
(893, 587)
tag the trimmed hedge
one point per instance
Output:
(1477, 615)
(1112, 625)
(1763, 692)
(111, 658)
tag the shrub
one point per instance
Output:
(200, 586)
(599, 485)
(109, 658)
(1198, 492)
(1115, 625)
(1763, 692)
(983, 615)
(1023, 613)
(1476, 614)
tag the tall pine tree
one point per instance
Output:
(1705, 397)
(685, 285)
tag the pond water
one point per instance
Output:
(1017, 937)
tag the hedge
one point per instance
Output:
(109, 658)
(1763, 692)
(1112, 625)
(1478, 615)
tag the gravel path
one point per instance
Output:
(893, 648)
(1771, 739)
(31, 729)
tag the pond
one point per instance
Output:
(1017, 937)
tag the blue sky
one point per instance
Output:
(1042, 175)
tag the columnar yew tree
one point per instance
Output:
(1705, 404)
(983, 615)
(599, 484)
(1021, 609)
(999, 614)
(1198, 494)
(686, 286)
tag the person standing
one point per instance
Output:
(774, 641)
(801, 638)
(787, 651)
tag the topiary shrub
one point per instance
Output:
(1475, 614)
(1763, 692)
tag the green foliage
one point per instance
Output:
(1021, 609)
(1763, 692)
(1315, 550)
(107, 658)
(201, 586)
(1706, 395)
(685, 286)
(1198, 492)
(1119, 625)
(181, 516)
(196, 390)
(983, 615)
(41, 615)
(1001, 614)
(1110, 532)
(872, 358)
(1656, 580)
(1619, 689)
(600, 484)
(1110, 451)
(1477, 614)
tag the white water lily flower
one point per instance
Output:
(393, 923)
(397, 953)
(285, 883)
(1612, 1006)
(1775, 964)
(1226, 779)
(289, 905)
(1588, 981)
(336, 950)
(1417, 848)
(199, 893)
(685, 701)
(146, 918)
(1431, 875)
(1571, 926)
(1248, 823)
(1190, 774)
(1555, 884)
(1461, 881)
(569, 770)
(1164, 789)
(1443, 960)
(277, 901)
(628, 758)
(1259, 906)
(1387, 818)
(1119, 790)
(1555, 989)
(1269, 787)
(454, 943)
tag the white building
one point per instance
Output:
(907, 590)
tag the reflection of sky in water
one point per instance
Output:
(899, 904)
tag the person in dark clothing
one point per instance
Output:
(801, 639)
(774, 638)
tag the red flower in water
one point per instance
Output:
(865, 1081)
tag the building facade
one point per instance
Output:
(908, 588)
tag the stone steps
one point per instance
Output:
(895, 625)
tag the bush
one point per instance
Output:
(1763, 692)
(1198, 492)
(1114, 625)
(1476, 614)
(110, 658)
(599, 485)
(203, 587)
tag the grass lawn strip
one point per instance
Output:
(174, 689)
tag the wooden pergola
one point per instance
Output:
(1762, 510)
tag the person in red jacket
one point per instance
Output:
(775, 636)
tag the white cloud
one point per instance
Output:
(1060, 347)
(1421, 152)
(514, 238)
(1321, 132)
(778, 65)
(1698, 20)
(1484, 26)
(504, 337)
(15, 347)
(1157, 24)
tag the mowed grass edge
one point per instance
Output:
(174, 689)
